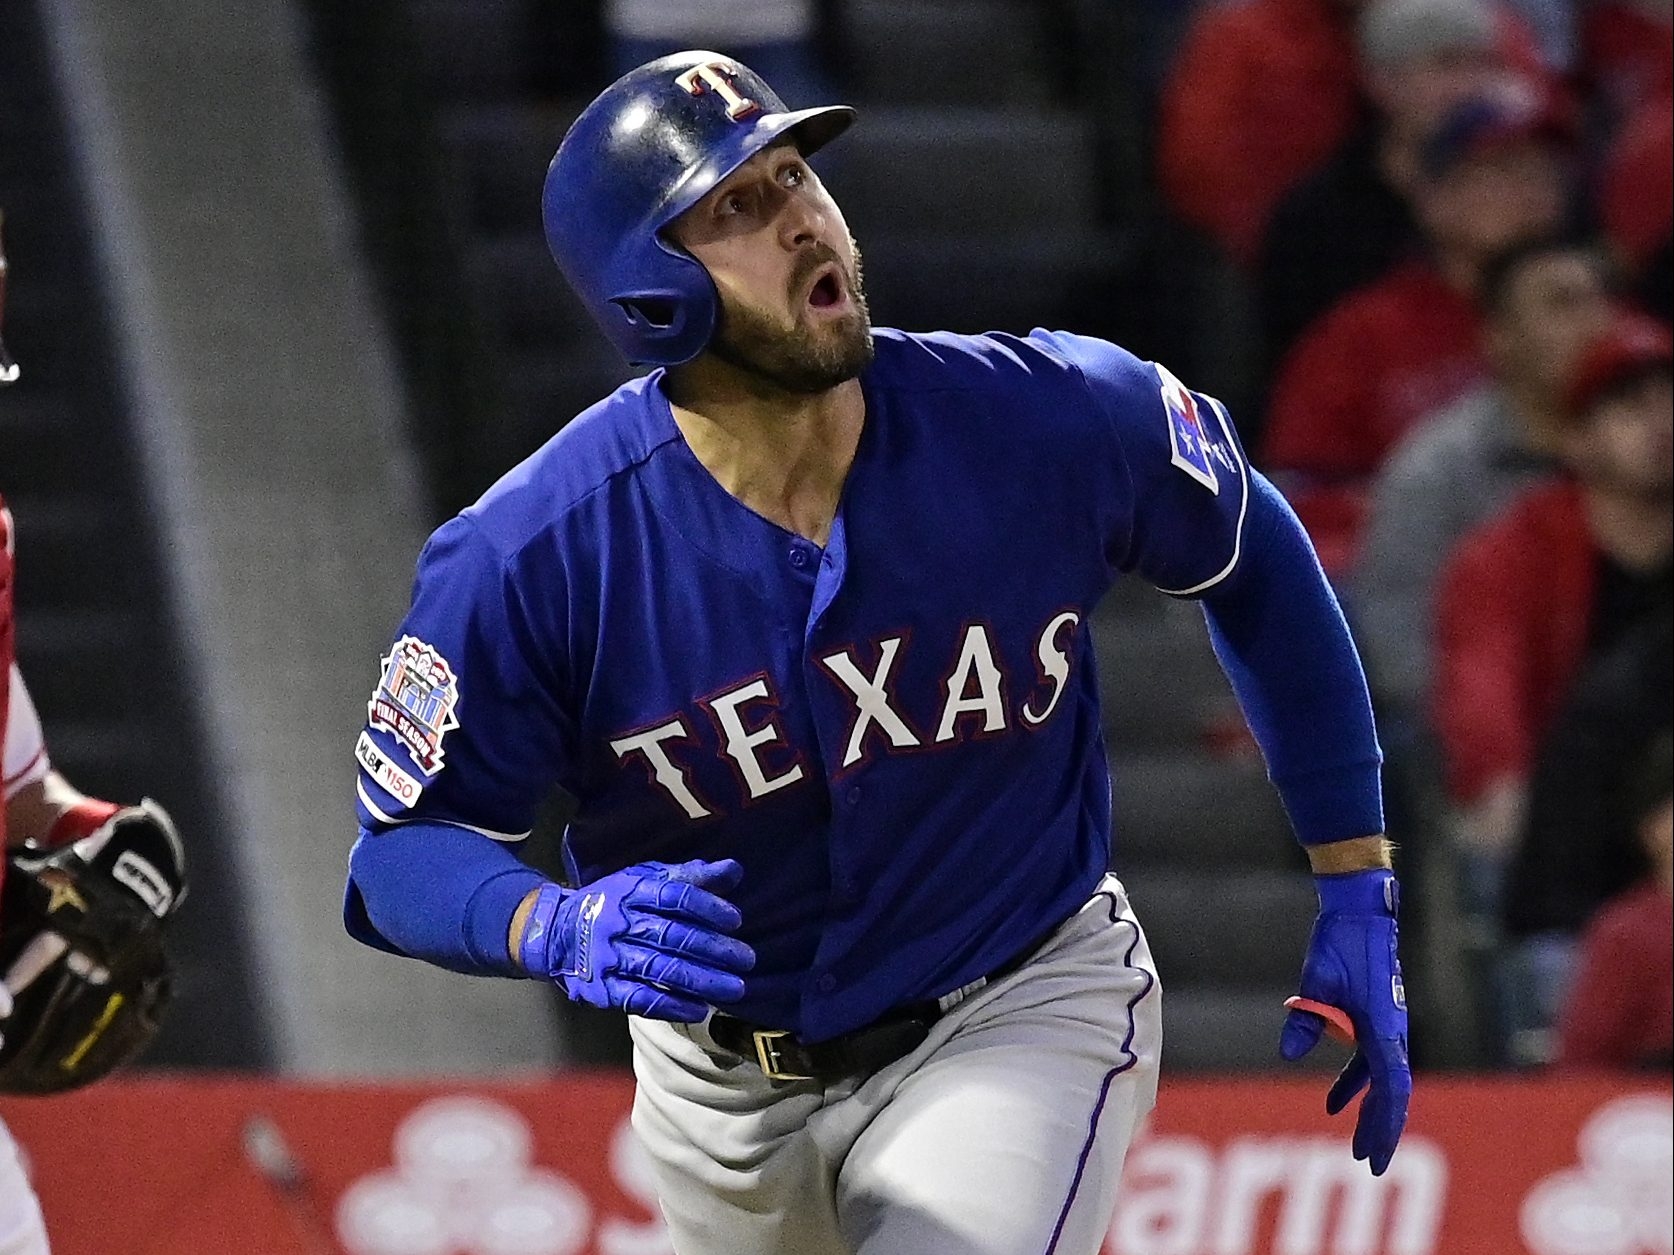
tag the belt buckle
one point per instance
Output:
(767, 1055)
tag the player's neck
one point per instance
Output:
(786, 458)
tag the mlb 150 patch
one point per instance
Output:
(415, 701)
(405, 789)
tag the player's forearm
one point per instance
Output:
(1285, 645)
(443, 894)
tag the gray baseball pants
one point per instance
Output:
(1003, 1134)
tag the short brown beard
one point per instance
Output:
(795, 359)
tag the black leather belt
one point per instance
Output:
(782, 1057)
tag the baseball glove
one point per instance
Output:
(84, 976)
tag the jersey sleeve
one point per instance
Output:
(26, 758)
(1179, 484)
(466, 725)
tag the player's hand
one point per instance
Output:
(1353, 965)
(652, 940)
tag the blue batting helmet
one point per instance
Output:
(649, 148)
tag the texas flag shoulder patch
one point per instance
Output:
(1192, 447)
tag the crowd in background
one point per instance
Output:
(1449, 224)
(1452, 219)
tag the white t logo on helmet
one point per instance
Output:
(717, 76)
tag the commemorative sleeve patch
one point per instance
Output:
(404, 788)
(1192, 445)
(415, 701)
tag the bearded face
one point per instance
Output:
(793, 313)
(825, 340)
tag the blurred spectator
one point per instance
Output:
(1553, 25)
(1636, 200)
(1556, 581)
(1656, 285)
(1395, 352)
(1542, 301)
(1581, 845)
(1344, 226)
(1620, 1010)
(773, 37)
(1262, 94)
(1627, 53)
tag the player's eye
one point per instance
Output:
(793, 175)
(732, 203)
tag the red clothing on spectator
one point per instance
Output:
(1636, 196)
(1620, 1012)
(1628, 54)
(1262, 93)
(1392, 353)
(1387, 356)
(1512, 616)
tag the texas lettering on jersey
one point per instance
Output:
(975, 703)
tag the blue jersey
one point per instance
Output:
(897, 735)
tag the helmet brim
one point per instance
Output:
(810, 129)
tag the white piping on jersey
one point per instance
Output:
(1243, 509)
(372, 807)
(506, 837)
(377, 813)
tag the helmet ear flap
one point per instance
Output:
(669, 322)
(650, 311)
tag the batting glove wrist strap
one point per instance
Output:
(536, 942)
(1373, 892)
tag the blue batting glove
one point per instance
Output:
(651, 940)
(1352, 964)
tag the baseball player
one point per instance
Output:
(800, 622)
(85, 886)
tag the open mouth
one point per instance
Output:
(827, 290)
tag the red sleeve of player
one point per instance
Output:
(5, 636)
(1482, 658)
